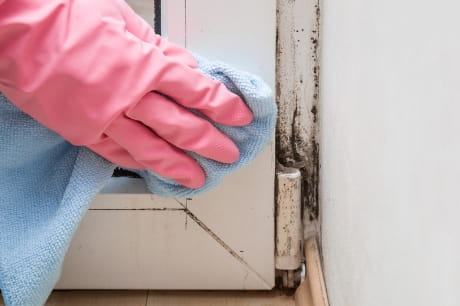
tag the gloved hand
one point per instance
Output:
(98, 75)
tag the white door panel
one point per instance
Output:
(221, 240)
(131, 249)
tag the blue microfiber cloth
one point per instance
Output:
(46, 185)
(250, 139)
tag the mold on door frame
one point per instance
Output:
(297, 84)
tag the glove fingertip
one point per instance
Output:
(195, 182)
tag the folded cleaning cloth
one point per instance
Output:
(46, 185)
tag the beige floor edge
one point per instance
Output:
(312, 291)
(167, 298)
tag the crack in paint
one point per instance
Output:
(233, 253)
(186, 205)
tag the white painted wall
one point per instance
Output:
(390, 150)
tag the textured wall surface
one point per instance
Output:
(390, 172)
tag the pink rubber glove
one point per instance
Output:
(98, 75)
